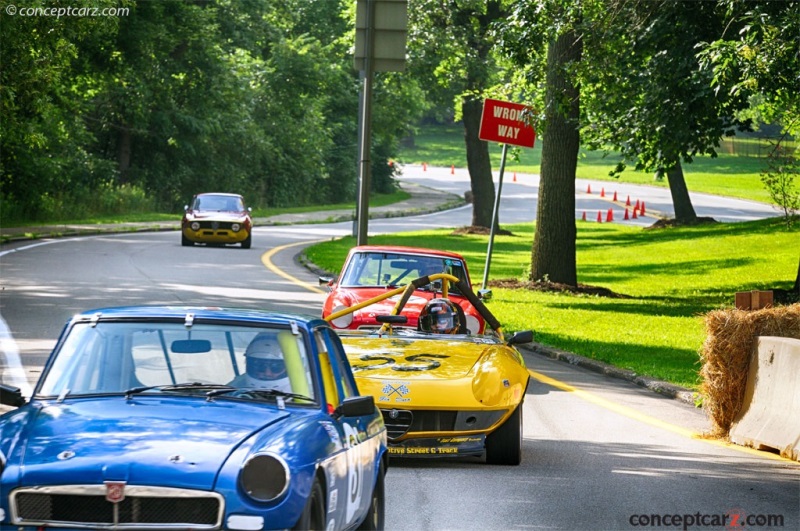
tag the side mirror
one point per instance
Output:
(355, 406)
(518, 338)
(485, 294)
(11, 396)
(326, 281)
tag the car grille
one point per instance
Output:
(86, 507)
(399, 422)
(217, 225)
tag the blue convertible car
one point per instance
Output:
(193, 418)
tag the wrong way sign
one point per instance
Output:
(507, 123)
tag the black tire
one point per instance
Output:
(313, 517)
(504, 445)
(248, 242)
(375, 515)
(186, 242)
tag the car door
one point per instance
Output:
(360, 449)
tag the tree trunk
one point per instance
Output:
(684, 211)
(796, 287)
(478, 164)
(553, 254)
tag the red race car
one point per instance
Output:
(371, 270)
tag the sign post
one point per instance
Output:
(507, 123)
(380, 47)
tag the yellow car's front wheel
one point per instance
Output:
(504, 445)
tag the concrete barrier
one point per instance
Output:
(770, 415)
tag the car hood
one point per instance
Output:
(411, 309)
(179, 443)
(215, 214)
(462, 373)
(414, 359)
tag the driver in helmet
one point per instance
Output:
(266, 368)
(440, 316)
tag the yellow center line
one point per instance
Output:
(647, 419)
(266, 259)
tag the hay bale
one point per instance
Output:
(725, 356)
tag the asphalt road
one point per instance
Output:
(599, 453)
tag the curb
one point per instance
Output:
(667, 389)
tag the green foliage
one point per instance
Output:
(779, 179)
(669, 278)
(250, 96)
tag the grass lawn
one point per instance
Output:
(730, 174)
(669, 279)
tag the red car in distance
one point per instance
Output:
(371, 270)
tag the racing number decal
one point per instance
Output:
(355, 470)
(387, 361)
(415, 362)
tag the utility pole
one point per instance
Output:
(380, 47)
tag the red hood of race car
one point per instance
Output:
(366, 316)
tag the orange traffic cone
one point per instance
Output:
(636, 206)
(602, 192)
(599, 217)
(610, 215)
(628, 202)
(626, 214)
(424, 166)
(635, 216)
(515, 177)
(453, 169)
(615, 196)
(589, 189)
(641, 209)
(583, 217)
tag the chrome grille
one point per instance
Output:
(85, 506)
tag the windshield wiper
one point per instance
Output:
(245, 391)
(179, 387)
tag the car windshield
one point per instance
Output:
(168, 357)
(225, 203)
(376, 269)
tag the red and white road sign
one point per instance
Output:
(507, 123)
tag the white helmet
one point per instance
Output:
(264, 358)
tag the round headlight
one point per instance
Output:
(235, 227)
(195, 225)
(345, 320)
(264, 477)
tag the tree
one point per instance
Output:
(451, 45)
(553, 256)
(647, 96)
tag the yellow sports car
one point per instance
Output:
(442, 392)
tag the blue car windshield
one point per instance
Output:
(375, 269)
(116, 357)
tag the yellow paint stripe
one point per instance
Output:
(647, 419)
(266, 259)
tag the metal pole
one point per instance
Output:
(366, 130)
(495, 213)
